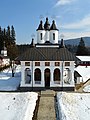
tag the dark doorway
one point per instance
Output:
(47, 78)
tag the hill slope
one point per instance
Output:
(77, 40)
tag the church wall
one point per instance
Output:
(39, 40)
(54, 41)
(52, 67)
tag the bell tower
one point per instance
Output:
(53, 33)
(40, 33)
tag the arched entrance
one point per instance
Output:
(37, 76)
(27, 76)
(47, 77)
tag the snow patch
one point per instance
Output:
(9, 83)
(17, 106)
(73, 106)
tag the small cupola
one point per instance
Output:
(40, 27)
(47, 25)
(40, 33)
(53, 26)
(32, 43)
(4, 51)
(62, 43)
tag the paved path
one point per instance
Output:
(46, 109)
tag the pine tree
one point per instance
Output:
(13, 34)
(8, 32)
(1, 40)
(81, 49)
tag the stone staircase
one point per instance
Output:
(46, 110)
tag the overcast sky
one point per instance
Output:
(72, 17)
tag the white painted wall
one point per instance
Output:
(56, 36)
(39, 37)
(42, 67)
(47, 38)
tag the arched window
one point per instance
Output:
(56, 74)
(37, 76)
(41, 36)
(27, 76)
(53, 36)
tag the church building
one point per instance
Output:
(4, 59)
(47, 64)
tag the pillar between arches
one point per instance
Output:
(42, 78)
(52, 77)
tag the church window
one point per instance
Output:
(56, 74)
(41, 36)
(47, 63)
(27, 63)
(67, 63)
(53, 36)
(57, 63)
(37, 76)
(37, 63)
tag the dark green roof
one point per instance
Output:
(47, 25)
(53, 26)
(47, 54)
(40, 27)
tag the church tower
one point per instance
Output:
(47, 28)
(47, 33)
(40, 33)
(53, 33)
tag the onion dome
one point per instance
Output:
(40, 27)
(47, 25)
(53, 26)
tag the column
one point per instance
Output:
(51, 77)
(42, 78)
(22, 76)
(62, 70)
(72, 77)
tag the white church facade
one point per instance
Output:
(47, 64)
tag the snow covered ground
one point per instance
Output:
(17, 106)
(9, 83)
(74, 106)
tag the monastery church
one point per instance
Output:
(47, 64)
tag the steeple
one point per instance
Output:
(40, 27)
(32, 43)
(53, 26)
(62, 43)
(47, 25)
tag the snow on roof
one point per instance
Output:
(86, 88)
(84, 72)
(74, 106)
(84, 58)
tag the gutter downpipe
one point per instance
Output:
(32, 75)
(62, 74)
